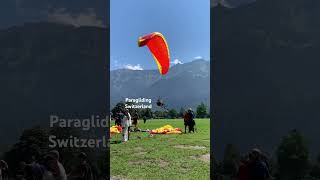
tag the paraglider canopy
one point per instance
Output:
(158, 46)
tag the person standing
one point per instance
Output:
(62, 172)
(84, 170)
(144, 119)
(243, 171)
(135, 121)
(118, 119)
(4, 170)
(126, 123)
(189, 121)
(51, 169)
(34, 169)
(258, 169)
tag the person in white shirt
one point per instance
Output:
(126, 123)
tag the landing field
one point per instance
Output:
(174, 156)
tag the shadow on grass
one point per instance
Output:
(115, 142)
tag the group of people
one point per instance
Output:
(48, 168)
(124, 119)
(254, 167)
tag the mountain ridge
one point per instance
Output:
(266, 72)
(141, 83)
(49, 68)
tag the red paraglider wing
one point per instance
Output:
(159, 48)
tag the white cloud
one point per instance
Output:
(83, 19)
(198, 57)
(133, 67)
(176, 61)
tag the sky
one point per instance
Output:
(184, 23)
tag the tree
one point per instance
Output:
(156, 114)
(148, 113)
(33, 143)
(118, 108)
(202, 111)
(121, 106)
(293, 156)
(172, 114)
(145, 113)
(160, 114)
(66, 152)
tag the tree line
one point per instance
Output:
(201, 111)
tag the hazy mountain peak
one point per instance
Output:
(183, 80)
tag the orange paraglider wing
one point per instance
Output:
(158, 46)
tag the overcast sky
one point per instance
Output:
(184, 23)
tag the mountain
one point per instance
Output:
(48, 68)
(19, 12)
(266, 64)
(186, 85)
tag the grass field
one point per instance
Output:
(174, 156)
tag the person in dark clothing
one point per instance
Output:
(258, 169)
(118, 119)
(189, 121)
(243, 171)
(52, 171)
(135, 121)
(84, 170)
(34, 170)
(62, 172)
(144, 119)
(4, 170)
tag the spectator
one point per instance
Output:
(4, 170)
(55, 154)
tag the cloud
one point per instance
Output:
(198, 57)
(176, 61)
(133, 67)
(88, 18)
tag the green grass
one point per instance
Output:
(157, 157)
